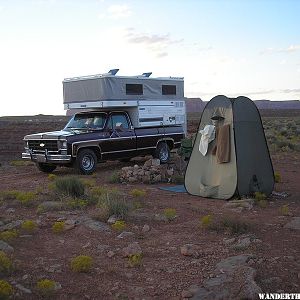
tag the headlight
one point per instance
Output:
(63, 144)
(26, 144)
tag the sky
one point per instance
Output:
(245, 47)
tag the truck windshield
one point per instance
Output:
(90, 121)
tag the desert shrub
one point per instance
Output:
(99, 191)
(88, 182)
(69, 186)
(81, 263)
(58, 227)
(137, 193)
(6, 290)
(262, 203)
(135, 260)
(46, 287)
(114, 177)
(5, 263)
(20, 163)
(9, 235)
(284, 210)
(137, 204)
(52, 177)
(206, 221)
(170, 213)
(101, 214)
(118, 207)
(277, 177)
(115, 203)
(29, 225)
(76, 203)
(25, 198)
(119, 225)
(228, 223)
(259, 196)
(235, 225)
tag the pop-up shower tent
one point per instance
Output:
(230, 154)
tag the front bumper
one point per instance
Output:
(47, 158)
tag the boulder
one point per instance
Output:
(293, 224)
(132, 249)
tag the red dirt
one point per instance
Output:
(164, 272)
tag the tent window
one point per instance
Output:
(168, 89)
(134, 89)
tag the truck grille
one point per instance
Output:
(50, 145)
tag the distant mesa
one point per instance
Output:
(197, 105)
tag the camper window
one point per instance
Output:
(168, 89)
(134, 89)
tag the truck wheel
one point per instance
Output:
(46, 168)
(162, 152)
(86, 162)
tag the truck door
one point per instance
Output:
(121, 138)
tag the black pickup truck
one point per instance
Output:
(91, 137)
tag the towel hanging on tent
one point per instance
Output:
(207, 135)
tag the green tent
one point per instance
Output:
(230, 154)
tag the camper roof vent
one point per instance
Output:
(147, 74)
(113, 71)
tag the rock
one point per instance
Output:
(293, 224)
(243, 203)
(50, 206)
(110, 254)
(186, 294)
(97, 225)
(187, 249)
(148, 163)
(160, 218)
(226, 265)
(145, 228)
(228, 241)
(155, 162)
(125, 234)
(11, 225)
(23, 289)
(242, 244)
(234, 279)
(70, 224)
(54, 268)
(10, 210)
(156, 178)
(113, 219)
(132, 249)
(146, 178)
(6, 247)
(132, 179)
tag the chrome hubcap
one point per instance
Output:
(88, 162)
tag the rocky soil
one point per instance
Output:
(177, 258)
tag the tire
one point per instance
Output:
(46, 168)
(162, 152)
(86, 162)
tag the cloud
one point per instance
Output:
(287, 91)
(156, 43)
(290, 49)
(116, 11)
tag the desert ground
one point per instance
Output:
(165, 245)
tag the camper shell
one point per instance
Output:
(114, 117)
(148, 101)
